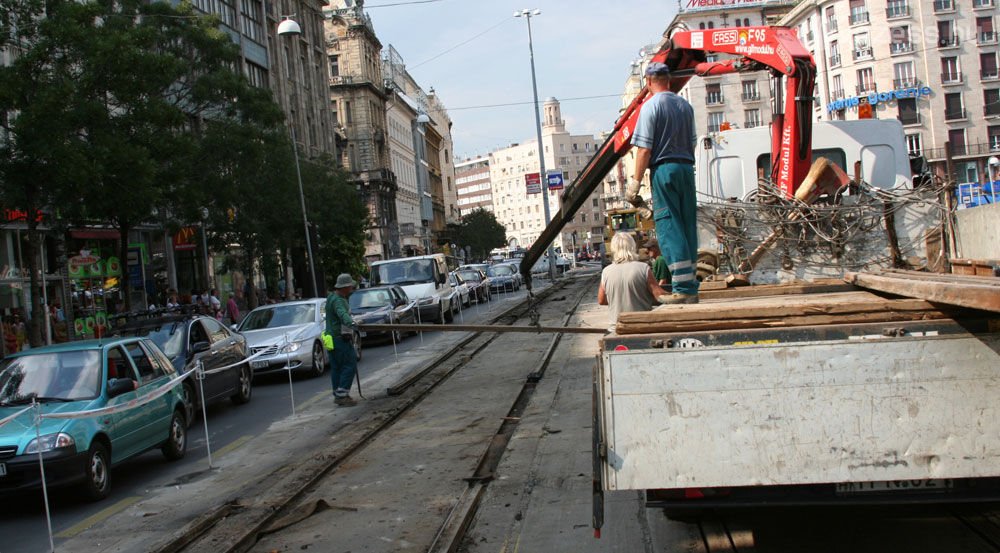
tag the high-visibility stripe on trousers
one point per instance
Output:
(675, 216)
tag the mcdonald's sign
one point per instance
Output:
(185, 239)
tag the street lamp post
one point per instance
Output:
(289, 27)
(527, 15)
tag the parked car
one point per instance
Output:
(301, 322)
(424, 278)
(382, 305)
(464, 292)
(516, 268)
(82, 376)
(501, 277)
(478, 283)
(186, 340)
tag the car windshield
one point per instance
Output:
(469, 275)
(412, 271)
(169, 336)
(366, 300)
(500, 270)
(64, 376)
(278, 316)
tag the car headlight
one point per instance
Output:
(291, 347)
(49, 442)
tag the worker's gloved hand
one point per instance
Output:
(632, 193)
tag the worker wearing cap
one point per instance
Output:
(339, 324)
(660, 271)
(664, 140)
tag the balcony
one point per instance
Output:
(911, 118)
(863, 53)
(986, 37)
(979, 149)
(900, 48)
(837, 94)
(835, 60)
(859, 18)
(989, 74)
(341, 79)
(865, 88)
(751, 124)
(713, 98)
(713, 128)
(983, 4)
(948, 41)
(992, 109)
(751, 96)
(943, 6)
(831, 25)
(905, 82)
(955, 114)
(896, 11)
(955, 77)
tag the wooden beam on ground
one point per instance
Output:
(965, 291)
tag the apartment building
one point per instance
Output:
(472, 185)
(520, 209)
(932, 64)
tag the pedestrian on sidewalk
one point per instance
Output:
(664, 139)
(627, 284)
(660, 271)
(232, 310)
(339, 324)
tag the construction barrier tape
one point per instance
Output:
(15, 415)
(251, 358)
(131, 404)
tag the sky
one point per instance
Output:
(474, 53)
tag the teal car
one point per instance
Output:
(84, 376)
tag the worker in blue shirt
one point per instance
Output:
(664, 140)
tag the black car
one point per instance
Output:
(478, 283)
(382, 305)
(189, 339)
(502, 278)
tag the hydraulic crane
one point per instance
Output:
(775, 49)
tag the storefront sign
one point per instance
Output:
(20, 216)
(84, 265)
(185, 239)
(533, 183)
(876, 97)
(702, 5)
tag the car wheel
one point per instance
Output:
(244, 388)
(468, 301)
(449, 315)
(318, 359)
(440, 319)
(97, 484)
(357, 345)
(176, 444)
(190, 400)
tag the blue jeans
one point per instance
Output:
(675, 215)
(343, 366)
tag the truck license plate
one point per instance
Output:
(258, 364)
(852, 488)
(3, 469)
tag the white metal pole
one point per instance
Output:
(288, 368)
(200, 375)
(41, 469)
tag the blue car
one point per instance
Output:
(84, 376)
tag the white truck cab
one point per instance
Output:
(424, 278)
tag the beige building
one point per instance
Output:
(472, 184)
(932, 64)
(521, 212)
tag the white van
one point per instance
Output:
(425, 280)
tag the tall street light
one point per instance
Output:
(527, 15)
(289, 27)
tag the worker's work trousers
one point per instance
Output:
(675, 216)
(343, 366)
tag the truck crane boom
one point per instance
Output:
(776, 49)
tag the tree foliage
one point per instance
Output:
(481, 230)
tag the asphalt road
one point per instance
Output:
(22, 517)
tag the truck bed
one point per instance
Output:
(792, 390)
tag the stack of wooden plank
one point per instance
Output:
(975, 292)
(797, 309)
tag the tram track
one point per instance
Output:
(277, 500)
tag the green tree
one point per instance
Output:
(340, 217)
(480, 230)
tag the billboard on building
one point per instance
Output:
(688, 6)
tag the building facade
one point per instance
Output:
(472, 185)
(520, 210)
(932, 64)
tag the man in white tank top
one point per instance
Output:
(627, 284)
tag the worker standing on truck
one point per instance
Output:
(627, 284)
(664, 140)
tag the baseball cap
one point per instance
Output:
(657, 68)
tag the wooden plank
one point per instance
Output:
(941, 277)
(761, 290)
(973, 293)
(653, 327)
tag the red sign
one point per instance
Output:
(533, 182)
(185, 239)
(18, 215)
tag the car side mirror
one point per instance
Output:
(200, 347)
(234, 327)
(120, 386)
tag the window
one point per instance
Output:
(713, 93)
(953, 108)
(216, 332)
(897, 8)
(711, 25)
(946, 34)
(900, 40)
(595, 202)
(991, 101)
(902, 75)
(715, 120)
(701, 25)
(347, 112)
(949, 70)
(142, 363)
(252, 19)
(837, 85)
(859, 12)
(908, 111)
(831, 19)
(957, 139)
(750, 90)
(334, 66)
(985, 33)
(866, 80)
(256, 74)
(988, 66)
(862, 46)
(834, 53)
(993, 132)
(751, 118)
(913, 144)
